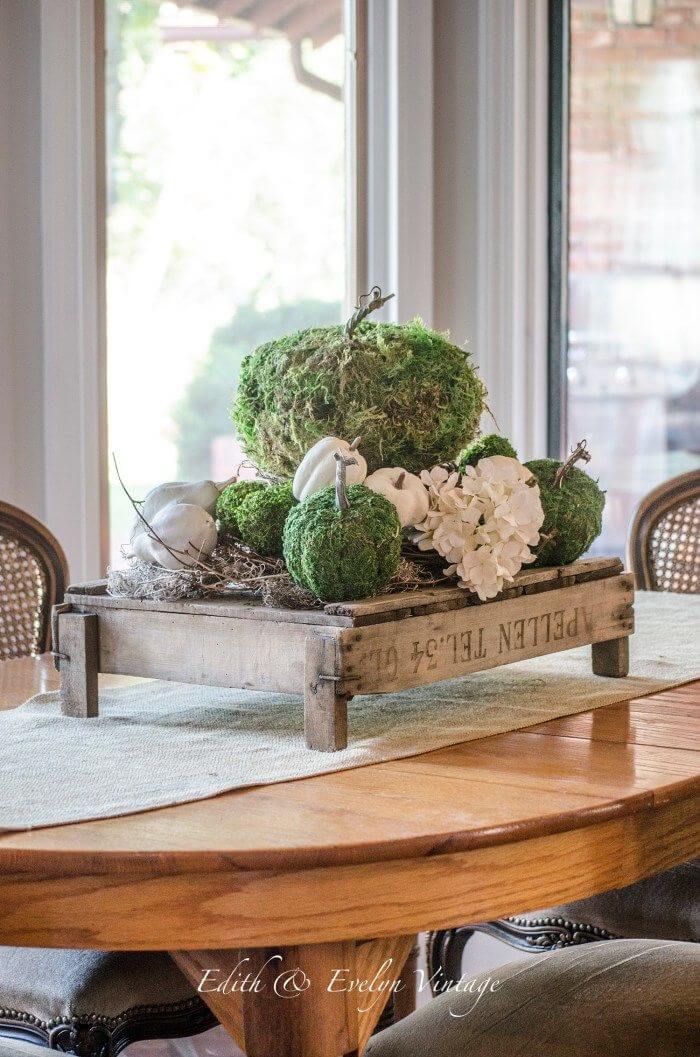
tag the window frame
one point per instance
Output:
(558, 234)
(73, 220)
(498, 279)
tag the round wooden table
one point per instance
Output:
(296, 881)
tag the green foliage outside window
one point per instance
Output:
(203, 412)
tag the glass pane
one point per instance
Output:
(225, 128)
(634, 266)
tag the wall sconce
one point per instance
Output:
(632, 12)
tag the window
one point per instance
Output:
(226, 225)
(631, 345)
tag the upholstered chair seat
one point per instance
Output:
(95, 1003)
(625, 998)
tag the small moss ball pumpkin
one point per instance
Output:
(261, 517)
(229, 503)
(573, 512)
(491, 444)
(411, 395)
(341, 555)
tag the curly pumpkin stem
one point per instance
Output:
(579, 453)
(341, 469)
(366, 303)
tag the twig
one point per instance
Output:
(366, 303)
(341, 469)
(579, 453)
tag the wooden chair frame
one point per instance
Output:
(31, 534)
(653, 507)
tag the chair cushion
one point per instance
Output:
(666, 906)
(18, 1048)
(54, 986)
(627, 998)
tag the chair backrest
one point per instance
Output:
(33, 578)
(663, 548)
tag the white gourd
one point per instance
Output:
(200, 493)
(188, 530)
(406, 491)
(317, 469)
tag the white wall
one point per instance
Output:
(21, 364)
(51, 382)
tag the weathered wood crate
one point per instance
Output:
(376, 646)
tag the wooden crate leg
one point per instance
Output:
(325, 710)
(79, 663)
(612, 658)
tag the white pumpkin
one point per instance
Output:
(187, 529)
(200, 493)
(406, 491)
(317, 469)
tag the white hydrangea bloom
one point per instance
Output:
(483, 522)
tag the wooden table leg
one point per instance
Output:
(405, 999)
(301, 1001)
(79, 663)
(325, 710)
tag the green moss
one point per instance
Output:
(229, 502)
(261, 518)
(413, 396)
(491, 444)
(573, 513)
(343, 554)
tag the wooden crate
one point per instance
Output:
(375, 646)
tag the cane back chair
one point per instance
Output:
(33, 578)
(663, 549)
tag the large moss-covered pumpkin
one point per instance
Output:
(411, 395)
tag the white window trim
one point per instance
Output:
(499, 263)
(72, 196)
(400, 155)
(512, 255)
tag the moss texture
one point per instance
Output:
(341, 555)
(413, 396)
(491, 444)
(261, 518)
(229, 502)
(573, 513)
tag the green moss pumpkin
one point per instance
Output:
(261, 517)
(347, 554)
(491, 444)
(229, 502)
(411, 395)
(573, 511)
